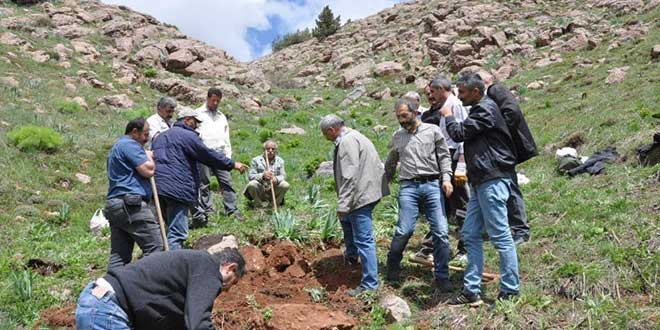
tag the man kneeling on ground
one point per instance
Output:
(166, 290)
(262, 173)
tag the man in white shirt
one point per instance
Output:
(214, 131)
(161, 121)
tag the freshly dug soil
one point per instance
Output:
(58, 317)
(277, 297)
(43, 267)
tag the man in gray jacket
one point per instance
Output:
(359, 185)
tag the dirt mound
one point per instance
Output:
(295, 289)
(61, 317)
(308, 317)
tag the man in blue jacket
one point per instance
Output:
(178, 152)
(490, 157)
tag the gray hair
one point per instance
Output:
(166, 101)
(412, 95)
(331, 121)
(441, 82)
(410, 105)
(472, 81)
(270, 142)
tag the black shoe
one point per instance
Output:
(357, 291)
(199, 223)
(518, 240)
(236, 216)
(473, 300)
(443, 285)
(502, 296)
(351, 261)
(392, 274)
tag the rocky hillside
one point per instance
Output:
(136, 46)
(414, 41)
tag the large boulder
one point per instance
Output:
(397, 309)
(11, 39)
(388, 68)
(121, 101)
(350, 76)
(180, 60)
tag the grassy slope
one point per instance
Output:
(574, 221)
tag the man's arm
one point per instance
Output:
(479, 121)
(210, 157)
(348, 160)
(280, 174)
(391, 162)
(444, 158)
(254, 174)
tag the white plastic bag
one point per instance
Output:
(98, 222)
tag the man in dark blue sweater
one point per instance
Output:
(178, 152)
(166, 290)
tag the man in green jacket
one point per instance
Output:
(359, 184)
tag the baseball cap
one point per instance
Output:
(189, 112)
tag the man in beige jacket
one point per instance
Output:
(359, 184)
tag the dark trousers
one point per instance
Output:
(204, 202)
(130, 225)
(516, 210)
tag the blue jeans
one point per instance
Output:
(359, 239)
(100, 314)
(487, 210)
(176, 220)
(412, 195)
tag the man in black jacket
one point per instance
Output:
(525, 148)
(166, 290)
(490, 159)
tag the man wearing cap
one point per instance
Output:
(264, 173)
(214, 131)
(161, 121)
(178, 152)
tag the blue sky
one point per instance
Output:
(246, 28)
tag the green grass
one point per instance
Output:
(592, 261)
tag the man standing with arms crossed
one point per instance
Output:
(421, 150)
(214, 131)
(359, 184)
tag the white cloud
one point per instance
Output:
(224, 23)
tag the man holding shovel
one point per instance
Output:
(131, 220)
(178, 152)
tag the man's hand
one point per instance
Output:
(240, 167)
(446, 111)
(447, 188)
(460, 175)
(340, 215)
(268, 176)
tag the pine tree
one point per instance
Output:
(326, 24)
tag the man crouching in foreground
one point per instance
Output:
(166, 290)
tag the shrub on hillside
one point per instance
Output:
(312, 165)
(292, 38)
(150, 72)
(33, 138)
(68, 107)
(326, 24)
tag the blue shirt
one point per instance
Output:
(125, 156)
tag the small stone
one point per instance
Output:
(116, 101)
(315, 100)
(535, 85)
(228, 242)
(617, 75)
(83, 178)
(81, 102)
(325, 169)
(294, 130)
(655, 52)
(396, 308)
(9, 81)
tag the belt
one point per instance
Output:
(423, 179)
